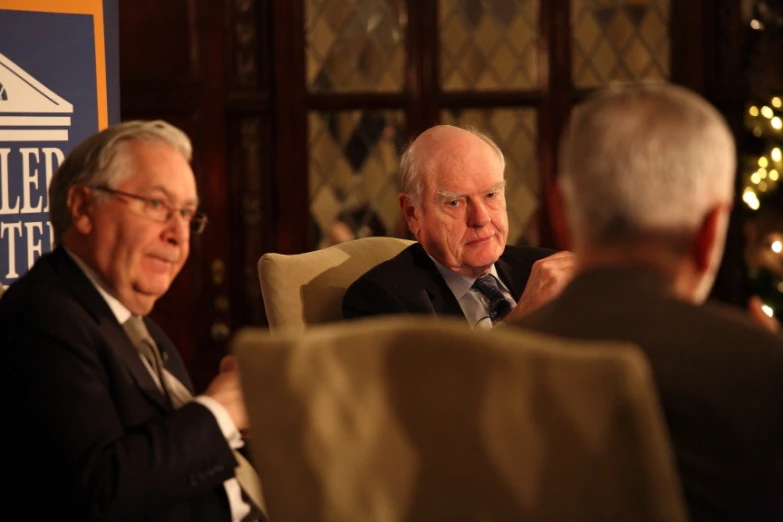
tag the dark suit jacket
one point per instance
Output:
(91, 436)
(720, 379)
(410, 283)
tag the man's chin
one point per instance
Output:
(147, 294)
(482, 256)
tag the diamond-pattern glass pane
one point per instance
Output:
(355, 45)
(353, 175)
(488, 45)
(515, 132)
(619, 40)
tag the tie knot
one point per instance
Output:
(487, 285)
(499, 305)
(137, 330)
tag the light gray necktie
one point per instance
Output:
(179, 395)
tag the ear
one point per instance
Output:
(709, 236)
(79, 203)
(410, 212)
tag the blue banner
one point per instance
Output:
(54, 92)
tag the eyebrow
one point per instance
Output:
(448, 196)
(169, 195)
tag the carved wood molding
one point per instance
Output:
(252, 188)
(245, 43)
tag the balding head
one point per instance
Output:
(434, 146)
(453, 198)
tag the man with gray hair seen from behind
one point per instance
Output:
(454, 201)
(101, 418)
(647, 180)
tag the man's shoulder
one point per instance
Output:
(40, 280)
(654, 319)
(727, 318)
(391, 269)
(40, 296)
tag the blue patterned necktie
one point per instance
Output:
(499, 304)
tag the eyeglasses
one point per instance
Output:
(160, 211)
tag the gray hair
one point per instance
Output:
(411, 164)
(642, 160)
(102, 159)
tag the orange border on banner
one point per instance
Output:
(89, 7)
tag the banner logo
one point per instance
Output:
(53, 95)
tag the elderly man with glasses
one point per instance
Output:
(103, 424)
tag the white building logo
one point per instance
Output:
(34, 125)
(28, 110)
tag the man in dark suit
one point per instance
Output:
(454, 202)
(101, 418)
(647, 178)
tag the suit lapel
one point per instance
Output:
(118, 340)
(171, 358)
(113, 333)
(440, 295)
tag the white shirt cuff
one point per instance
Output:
(230, 431)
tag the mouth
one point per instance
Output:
(480, 241)
(162, 263)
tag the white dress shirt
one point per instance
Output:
(239, 508)
(474, 304)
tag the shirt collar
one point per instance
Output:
(119, 310)
(458, 283)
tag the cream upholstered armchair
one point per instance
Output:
(418, 419)
(304, 289)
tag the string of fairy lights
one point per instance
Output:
(762, 176)
(763, 172)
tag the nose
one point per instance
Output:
(177, 229)
(478, 216)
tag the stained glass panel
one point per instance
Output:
(353, 174)
(488, 45)
(619, 40)
(355, 45)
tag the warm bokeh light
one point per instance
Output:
(750, 199)
(776, 102)
(777, 247)
(773, 175)
(776, 123)
(763, 162)
(753, 111)
(767, 112)
(775, 154)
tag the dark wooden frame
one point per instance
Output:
(422, 100)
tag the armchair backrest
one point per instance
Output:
(304, 289)
(414, 419)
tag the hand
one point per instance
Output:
(227, 390)
(758, 316)
(547, 279)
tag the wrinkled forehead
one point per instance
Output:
(465, 172)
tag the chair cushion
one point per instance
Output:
(308, 288)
